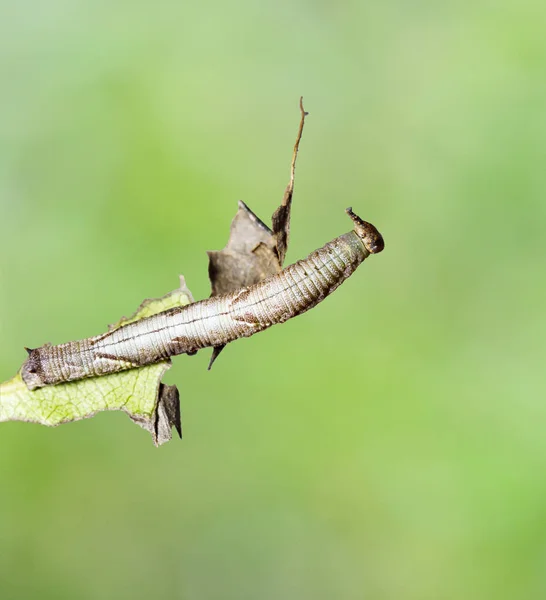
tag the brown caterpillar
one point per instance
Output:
(212, 322)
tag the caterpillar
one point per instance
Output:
(212, 322)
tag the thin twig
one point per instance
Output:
(281, 217)
(290, 187)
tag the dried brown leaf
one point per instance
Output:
(253, 251)
(249, 256)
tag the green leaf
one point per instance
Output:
(138, 392)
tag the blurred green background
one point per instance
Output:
(387, 445)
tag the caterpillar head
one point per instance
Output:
(371, 238)
(31, 371)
